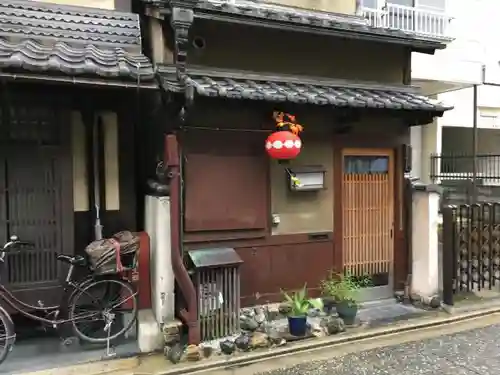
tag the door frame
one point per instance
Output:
(378, 141)
(383, 291)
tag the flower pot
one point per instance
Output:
(347, 311)
(297, 325)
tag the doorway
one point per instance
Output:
(368, 220)
(35, 199)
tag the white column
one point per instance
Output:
(431, 144)
(425, 263)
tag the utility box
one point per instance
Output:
(216, 277)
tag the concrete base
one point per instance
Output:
(132, 332)
(149, 336)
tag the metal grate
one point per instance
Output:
(218, 302)
(217, 280)
(471, 248)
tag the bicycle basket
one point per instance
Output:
(115, 254)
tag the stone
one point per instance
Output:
(273, 312)
(172, 332)
(314, 313)
(317, 330)
(259, 340)
(274, 336)
(414, 297)
(265, 327)
(173, 353)
(435, 302)
(284, 309)
(242, 342)
(399, 296)
(248, 312)
(193, 353)
(260, 315)
(248, 323)
(332, 325)
(207, 351)
(227, 347)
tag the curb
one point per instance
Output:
(92, 368)
(249, 359)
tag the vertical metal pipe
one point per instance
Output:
(474, 145)
(448, 266)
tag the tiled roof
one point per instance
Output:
(301, 90)
(261, 10)
(77, 41)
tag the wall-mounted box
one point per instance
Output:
(306, 178)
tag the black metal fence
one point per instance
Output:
(467, 179)
(471, 248)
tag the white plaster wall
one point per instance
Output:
(111, 166)
(461, 61)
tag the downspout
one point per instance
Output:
(189, 316)
(182, 17)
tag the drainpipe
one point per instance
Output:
(173, 164)
(474, 145)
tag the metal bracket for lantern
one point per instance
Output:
(217, 281)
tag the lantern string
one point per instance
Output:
(229, 129)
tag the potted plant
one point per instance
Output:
(343, 289)
(299, 307)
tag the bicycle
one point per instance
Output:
(76, 296)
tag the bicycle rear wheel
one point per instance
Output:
(96, 310)
(7, 334)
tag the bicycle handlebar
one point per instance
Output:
(16, 242)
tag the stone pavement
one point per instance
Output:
(471, 352)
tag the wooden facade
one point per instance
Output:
(231, 189)
(46, 193)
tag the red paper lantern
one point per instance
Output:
(283, 145)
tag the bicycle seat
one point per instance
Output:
(76, 260)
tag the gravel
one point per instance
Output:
(474, 352)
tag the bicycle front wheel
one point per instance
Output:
(7, 334)
(97, 310)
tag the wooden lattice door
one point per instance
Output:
(368, 217)
(34, 158)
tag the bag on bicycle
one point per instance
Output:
(115, 254)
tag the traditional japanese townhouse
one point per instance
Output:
(225, 68)
(71, 79)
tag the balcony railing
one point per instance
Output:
(424, 22)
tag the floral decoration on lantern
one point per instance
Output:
(284, 143)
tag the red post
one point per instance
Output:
(141, 277)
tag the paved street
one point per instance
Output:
(471, 352)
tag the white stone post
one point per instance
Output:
(425, 252)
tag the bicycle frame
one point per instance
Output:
(70, 288)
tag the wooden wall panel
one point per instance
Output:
(269, 269)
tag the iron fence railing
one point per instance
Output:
(461, 167)
(471, 249)
(467, 179)
(421, 21)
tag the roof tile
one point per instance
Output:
(239, 85)
(49, 38)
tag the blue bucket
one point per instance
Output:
(297, 325)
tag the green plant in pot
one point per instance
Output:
(300, 304)
(343, 291)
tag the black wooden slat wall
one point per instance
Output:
(32, 153)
